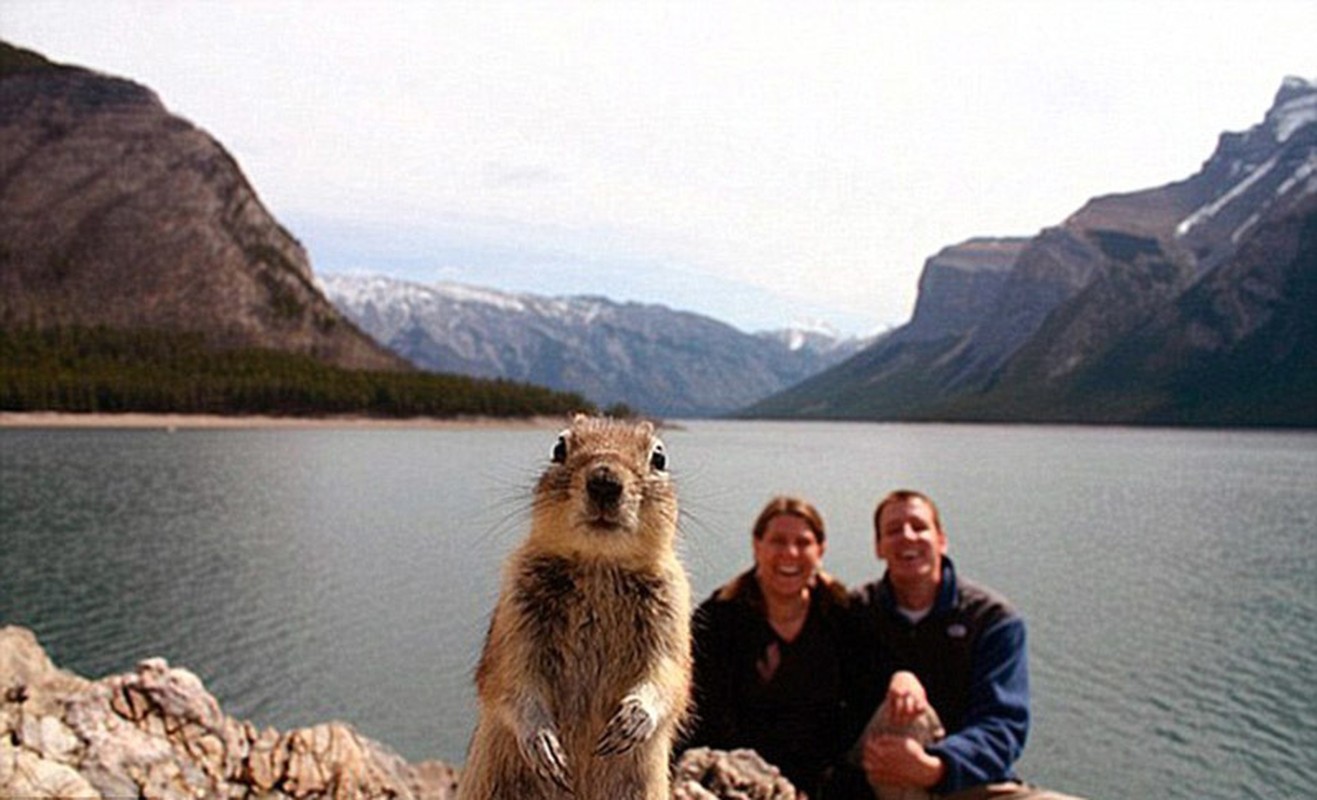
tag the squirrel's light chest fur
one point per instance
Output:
(585, 675)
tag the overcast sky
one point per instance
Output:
(762, 163)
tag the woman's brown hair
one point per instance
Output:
(790, 506)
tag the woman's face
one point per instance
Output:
(787, 556)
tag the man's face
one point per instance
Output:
(910, 542)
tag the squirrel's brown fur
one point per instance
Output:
(585, 675)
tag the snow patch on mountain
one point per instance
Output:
(1294, 110)
(1213, 208)
(362, 289)
(1305, 171)
(1293, 115)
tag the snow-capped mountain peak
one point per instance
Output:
(1271, 163)
(652, 358)
(1295, 108)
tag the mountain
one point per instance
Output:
(649, 357)
(1189, 303)
(957, 287)
(139, 271)
(115, 213)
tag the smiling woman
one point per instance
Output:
(788, 547)
(770, 667)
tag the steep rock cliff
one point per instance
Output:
(959, 286)
(117, 213)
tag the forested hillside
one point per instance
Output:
(106, 370)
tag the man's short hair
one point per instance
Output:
(903, 496)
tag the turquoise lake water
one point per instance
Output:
(1169, 578)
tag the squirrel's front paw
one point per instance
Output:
(544, 752)
(633, 723)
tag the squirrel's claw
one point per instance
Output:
(544, 751)
(633, 723)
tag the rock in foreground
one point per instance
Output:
(158, 733)
(704, 774)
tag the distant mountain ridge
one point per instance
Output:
(1189, 303)
(649, 357)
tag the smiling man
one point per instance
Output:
(964, 643)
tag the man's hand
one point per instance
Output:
(900, 761)
(906, 699)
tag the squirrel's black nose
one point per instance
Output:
(603, 487)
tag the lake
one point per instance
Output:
(1169, 578)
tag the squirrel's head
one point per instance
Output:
(606, 490)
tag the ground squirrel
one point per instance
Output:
(585, 674)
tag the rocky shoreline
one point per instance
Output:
(158, 733)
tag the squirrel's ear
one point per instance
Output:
(645, 427)
(658, 457)
(559, 454)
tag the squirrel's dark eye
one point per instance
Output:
(560, 449)
(658, 458)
